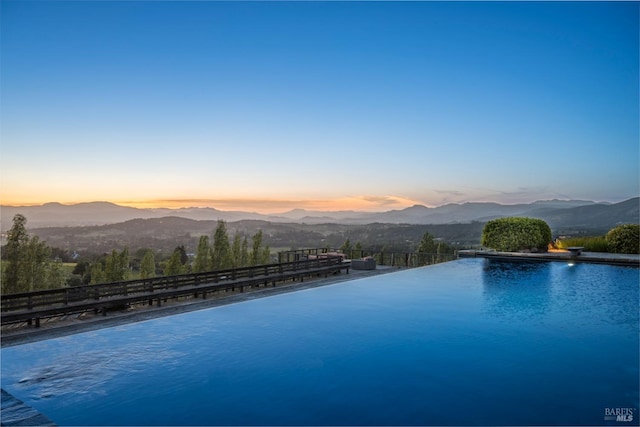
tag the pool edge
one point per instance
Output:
(628, 260)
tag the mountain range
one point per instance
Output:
(558, 214)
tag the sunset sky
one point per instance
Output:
(269, 106)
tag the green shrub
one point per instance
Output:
(624, 239)
(516, 234)
(590, 244)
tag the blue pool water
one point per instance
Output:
(470, 342)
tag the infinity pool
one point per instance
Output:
(469, 342)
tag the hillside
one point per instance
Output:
(395, 230)
(164, 234)
(559, 213)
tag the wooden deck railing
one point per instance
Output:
(28, 306)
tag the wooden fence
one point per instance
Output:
(32, 306)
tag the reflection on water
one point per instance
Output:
(588, 293)
(604, 295)
(516, 290)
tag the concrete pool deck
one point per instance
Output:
(73, 324)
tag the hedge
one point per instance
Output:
(624, 239)
(514, 234)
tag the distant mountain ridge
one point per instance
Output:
(558, 213)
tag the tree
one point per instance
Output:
(35, 264)
(116, 266)
(221, 253)
(114, 269)
(244, 253)
(624, 239)
(203, 256)
(265, 255)
(55, 276)
(514, 234)
(17, 238)
(184, 258)
(358, 249)
(256, 256)
(28, 262)
(97, 273)
(124, 264)
(81, 274)
(174, 266)
(427, 245)
(81, 268)
(148, 265)
(236, 252)
(346, 248)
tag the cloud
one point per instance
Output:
(516, 195)
(222, 203)
(450, 192)
(389, 200)
(522, 194)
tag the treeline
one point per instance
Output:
(28, 264)
(217, 253)
(165, 234)
(220, 254)
(428, 245)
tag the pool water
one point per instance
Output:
(469, 342)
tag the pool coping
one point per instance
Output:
(630, 260)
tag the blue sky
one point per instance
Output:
(268, 106)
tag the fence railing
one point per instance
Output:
(389, 258)
(28, 305)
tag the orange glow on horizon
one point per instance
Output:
(269, 206)
(263, 206)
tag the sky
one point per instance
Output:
(269, 106)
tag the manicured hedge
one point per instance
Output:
(624, 239)
(514, 234)
(589, 243)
